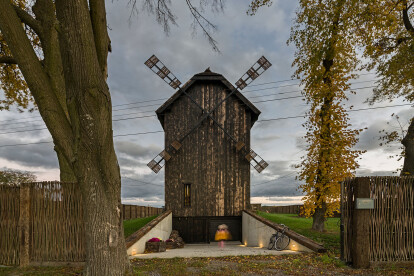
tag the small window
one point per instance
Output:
(187, 194)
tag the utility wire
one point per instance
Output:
(46, 142)
(148, 116)
(262, 120)
(145, 101)
(147, 183)
(259, 121)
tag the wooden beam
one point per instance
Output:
(360, 226)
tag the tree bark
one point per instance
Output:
(408, 142)
(318, 223)
(95, 163)
(66, 171)
(70, 90)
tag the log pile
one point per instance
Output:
(176, 240)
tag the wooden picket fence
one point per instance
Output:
(136, 211)
(43, 222)
(290, 209)
(9, 224)
(391, 222)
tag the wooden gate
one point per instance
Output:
(391, 222)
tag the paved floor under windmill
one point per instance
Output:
(212, 250)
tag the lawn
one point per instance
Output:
(330, 238)
(133, 225)
(302, 264)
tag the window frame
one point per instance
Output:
(187, 194)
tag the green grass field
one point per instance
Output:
(330, 238)
(133, 225)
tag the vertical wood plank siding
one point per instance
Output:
(219, 176)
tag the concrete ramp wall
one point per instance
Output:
(160, 227)
(256, 232)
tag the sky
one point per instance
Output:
(137, 92)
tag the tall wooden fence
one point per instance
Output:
(135, 211)
(390, 223)
(43, 221)
(290, 209)
(9, 224)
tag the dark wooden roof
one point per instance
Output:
(209, 76)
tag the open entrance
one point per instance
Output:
(203, 229)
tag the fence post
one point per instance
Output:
(360, 225)
(24, 224)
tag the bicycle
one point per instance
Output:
(279, 240)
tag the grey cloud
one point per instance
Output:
(40, 155)
(301, 143)
(135, 150)
(368, 172)
(266, 138)
(280, 187)
(369, 138)
(278, 198)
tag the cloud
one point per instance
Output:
(136, 150)
(266, 139)
(37, 155)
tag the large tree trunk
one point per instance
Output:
(66, 171)
(80, 119)
(319, 218)
(95, 163)
(408, 142)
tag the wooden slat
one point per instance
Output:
(391, 221)
(9, 222)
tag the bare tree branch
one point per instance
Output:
(100, 32)
(7, 60)
(204, 24)
(406, 19)
(27, 19)
(165, 17)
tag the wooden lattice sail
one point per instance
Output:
(164, 73)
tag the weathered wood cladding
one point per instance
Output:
(219, 176)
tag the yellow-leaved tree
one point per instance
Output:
(325, 59)
(385, 31)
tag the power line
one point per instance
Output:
(262, 183)
(259, 121)
(147, 183)
(148, 116)
(139, 133)
(350, 110)
(144, 101)
(44, 128)
(46, 142)
(262, 120)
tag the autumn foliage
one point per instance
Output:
(324, 64)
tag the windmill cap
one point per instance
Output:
(208, 72)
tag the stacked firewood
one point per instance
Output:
(175, 241)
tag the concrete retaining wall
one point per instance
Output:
(255, 233)
(160, 227)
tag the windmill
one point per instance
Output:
(207, 156)
(165, 74)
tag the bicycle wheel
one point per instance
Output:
(271, 244)
(282, 242)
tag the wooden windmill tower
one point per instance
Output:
(207, 126)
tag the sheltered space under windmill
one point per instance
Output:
(207, 156)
